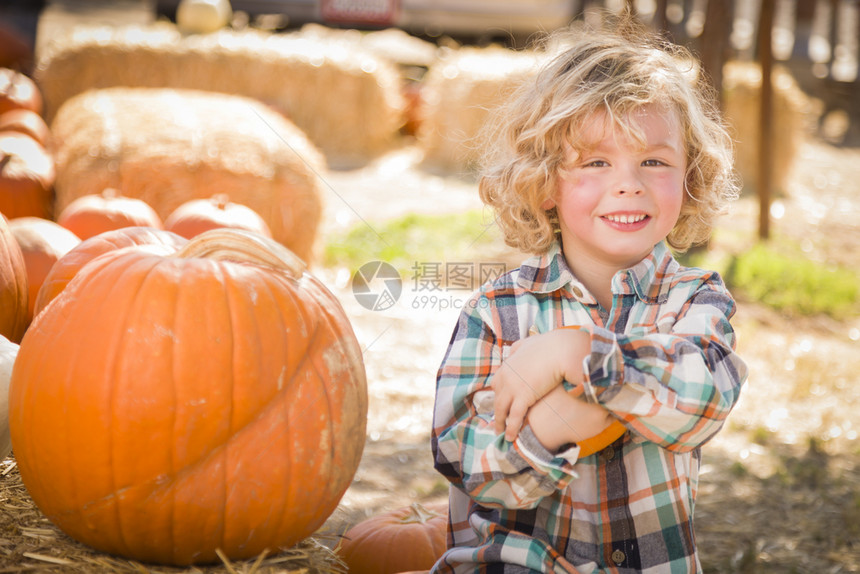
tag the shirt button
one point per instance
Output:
(577, 292)
(608, 453)
(618, 557)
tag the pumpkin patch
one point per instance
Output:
(216, 400)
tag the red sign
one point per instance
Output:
(373, 12)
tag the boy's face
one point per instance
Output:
(618, 198)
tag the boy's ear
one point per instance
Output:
(547, 204)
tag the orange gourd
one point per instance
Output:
(164, 407)
(69, 264)
(198, 215)
(27, 176)
(42, 244)
(92, 214)
(405, 539)
(13, 286)
(602, 439)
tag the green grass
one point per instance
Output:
(776, 274)
(788, 281)
(779, 274)
(414, 238)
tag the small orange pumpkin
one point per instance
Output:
(26, 122)
(198, 215)
(92, 214)
(13, 286)
(213, 398)
(18, 90)
(27, 176)
(69, 264)
(42, 243)
(408, 538)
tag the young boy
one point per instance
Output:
(612, 152)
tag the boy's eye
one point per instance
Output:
(596, 163)
(653, 163)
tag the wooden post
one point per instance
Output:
(715, 45)
(660, 21)
(765, 146)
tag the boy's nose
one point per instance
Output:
(628, 182)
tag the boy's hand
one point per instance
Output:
(560, 418)
(536, 365)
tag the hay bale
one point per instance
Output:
(412, 56)
(391, 44)
(168, 146)
(792, 112)
(345, 98)
(457, 93)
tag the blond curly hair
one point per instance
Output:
(616, 72)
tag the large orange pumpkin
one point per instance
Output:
(96, 213)
(42, 243)
(13, 286)
(27, 176)
(69, 264)
(198, 215)
(406, 539)
(164, 407)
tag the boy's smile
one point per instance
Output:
(619, 197)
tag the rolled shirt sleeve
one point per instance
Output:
(673, 380)
(467, 450)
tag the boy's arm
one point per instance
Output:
(560, 418)
(673, 382)
(535, 366)
(466, 447)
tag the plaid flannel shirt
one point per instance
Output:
(662, 361)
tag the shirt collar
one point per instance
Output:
(650, 279)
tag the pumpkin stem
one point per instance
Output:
(241, 246)
(419, 514)
(220, 200)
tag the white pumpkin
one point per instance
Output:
(203, 16)
(8, 352)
